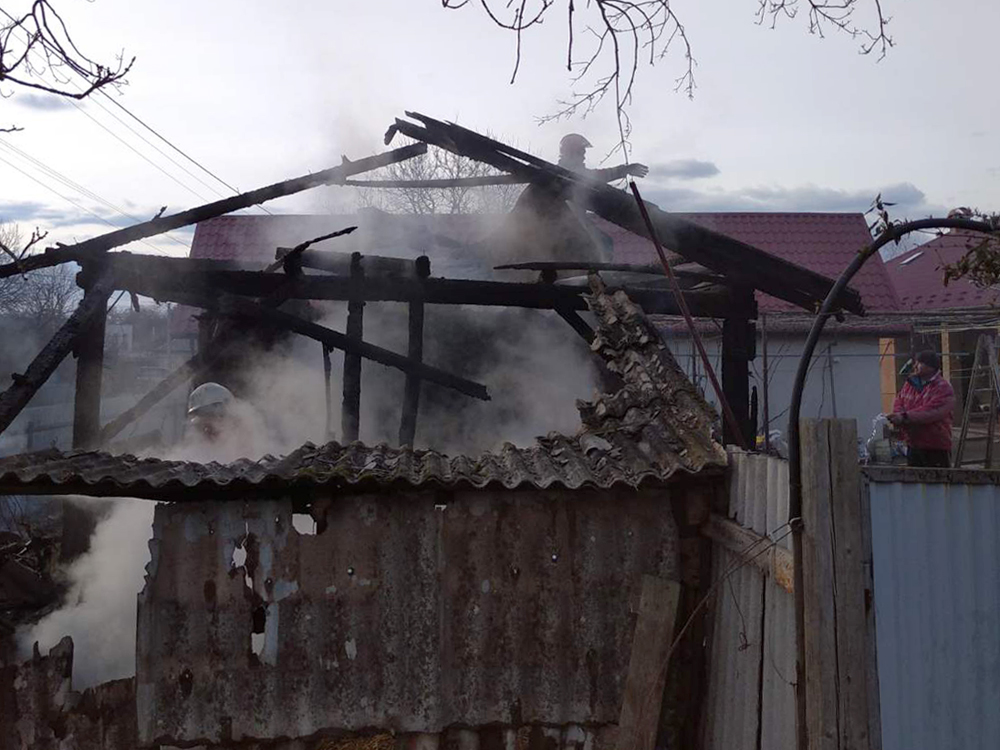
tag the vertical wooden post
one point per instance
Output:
(766, 376)
(945, 353)
(887, 373)
(89, 352)
(647, 669)
(841, 694)
(415, 351)
(327, 373)
(411, 394)
(739, 340)
(350, 414)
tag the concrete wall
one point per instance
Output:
(412, 612)
(856, 389)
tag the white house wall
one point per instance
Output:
(855, 368)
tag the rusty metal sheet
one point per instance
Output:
(411, 612)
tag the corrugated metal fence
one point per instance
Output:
(751, 694)
(936, 548)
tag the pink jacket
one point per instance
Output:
(928, 412)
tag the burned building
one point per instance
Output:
(530, 597)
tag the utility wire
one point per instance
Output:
(145, 140)
(77, 187)
(70, 200)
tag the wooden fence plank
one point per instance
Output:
(849, 592)
(818, 570)
(647, 671)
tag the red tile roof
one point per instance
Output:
(918, 276)
(824, 243)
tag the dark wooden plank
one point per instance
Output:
(105, 242)
(742, 263)
(411, 391)
(374, 266)
(577, 323)
(328, 395)
(241, 308)
(647, 671)
(350, 408)
(738, 342)
(89, 351)
(166, 278)
(14, 399)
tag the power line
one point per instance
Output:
(70, 200)
(73, 185)
(145, 140)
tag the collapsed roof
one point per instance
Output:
(655, 426)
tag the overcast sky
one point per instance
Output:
(261, 91)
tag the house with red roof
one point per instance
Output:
(846, 376)
(949, 318)
(846, 379)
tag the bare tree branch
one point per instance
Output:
(450, 186)
(38, 43)
(624, 33)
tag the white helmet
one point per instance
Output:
(208, 398)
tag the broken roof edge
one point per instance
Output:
(653, 430)
(746, 264)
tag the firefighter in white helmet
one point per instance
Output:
(209, 408)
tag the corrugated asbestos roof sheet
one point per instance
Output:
(918, 275)
(656, 425)
(822, 242)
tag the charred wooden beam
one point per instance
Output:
(411, 391)
(99, 245)
(652, 270)
(440, 183)
(170, 279)
(350, 410)
(577, 323)
(327, 373)
(163, 389)
(739, 339)
(89, 351)
(742, 263)
(14, 399)
(236, 307)
(373, 265)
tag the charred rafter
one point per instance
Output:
(743, 264)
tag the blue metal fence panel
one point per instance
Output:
(936, 552)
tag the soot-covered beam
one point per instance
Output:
(742, 263)
(169, 279)
(14, 399)
(89, 351)
(236, 307)
(411, 391)
(350, 410)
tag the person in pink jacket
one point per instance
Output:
(923, 413)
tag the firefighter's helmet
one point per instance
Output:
(209, 399)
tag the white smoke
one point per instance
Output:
(100, 610)
(532, 362)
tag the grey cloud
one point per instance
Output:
(42, 102)
(910, 200)
(683, 169)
